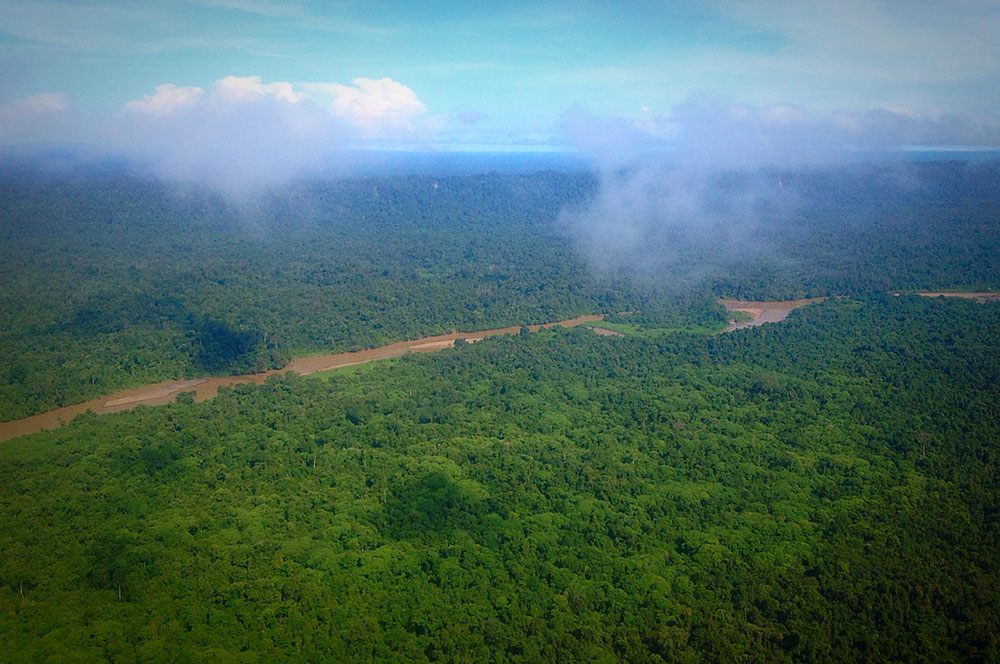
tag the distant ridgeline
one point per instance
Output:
(823, 490)
(117, 282)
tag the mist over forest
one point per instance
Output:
(819, 489)
(201, 284)
(644, 331)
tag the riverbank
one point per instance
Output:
(165, 392)
(162, 393)
(763, 312)
(982, 297)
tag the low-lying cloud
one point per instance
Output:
(676, 224)
(32, 118)
(714, 134)
(695, 190)
(243, 135)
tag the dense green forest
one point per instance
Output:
(116, 281)
(869, 228)
(820, 490)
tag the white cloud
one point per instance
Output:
(242, 134)
(40, 103)
(614, 141)
(250, 88)
(40, 117)
(167, 99)
(711, 133)
(669, 200)
(375, 106)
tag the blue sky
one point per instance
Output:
(497, 75)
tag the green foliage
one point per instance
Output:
(876, 228)
(118, 283)
(823, 490)
(115, 284)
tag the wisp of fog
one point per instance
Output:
(699, 190)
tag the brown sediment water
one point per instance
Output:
(984, 296)
(772, 312)
(158, 394)
(206, 388)
(764, 312)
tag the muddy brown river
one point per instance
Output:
(978, 297)
(205, 388)
(773, 312)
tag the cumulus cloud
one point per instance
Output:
(380, 108)
(376, 107)
(243, 134)
(167, 98)
(250, 88)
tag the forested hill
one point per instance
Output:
(115, 282)
(823, 490)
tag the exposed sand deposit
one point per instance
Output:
(772, 312)
(605, 332)
(206, 388)
(978, 297)
(763, 312)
